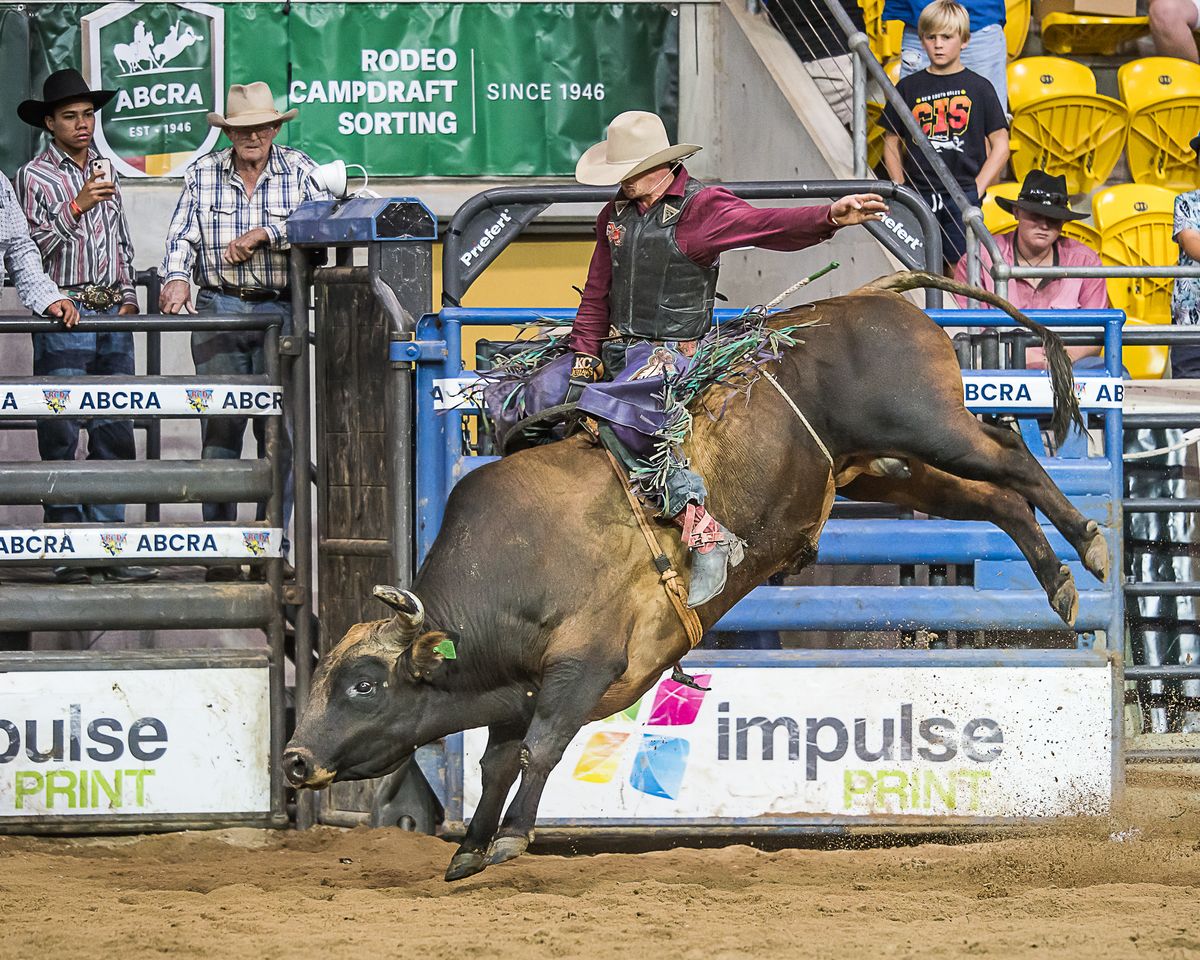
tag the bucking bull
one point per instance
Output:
(543, 580)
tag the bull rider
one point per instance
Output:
(653, 278)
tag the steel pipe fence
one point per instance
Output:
(31, 606)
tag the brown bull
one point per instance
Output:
(544, 580)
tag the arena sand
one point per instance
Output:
(361, 893)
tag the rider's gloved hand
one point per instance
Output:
(585, 370)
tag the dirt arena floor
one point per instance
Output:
(1126, 888)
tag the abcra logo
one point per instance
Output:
(660, 762)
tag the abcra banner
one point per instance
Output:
(121, 742)
(845, 742)
(106, 399)
(405, 89)
(77, 542)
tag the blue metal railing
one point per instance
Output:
(1094, 483)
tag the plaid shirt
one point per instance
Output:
(19, 255)
(97, 247)
(214, 210)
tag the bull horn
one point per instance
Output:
(410, 612)
(404, 602)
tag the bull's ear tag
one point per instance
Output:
(446, 649)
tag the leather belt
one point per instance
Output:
(250, 294)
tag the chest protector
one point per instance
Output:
(657, 292)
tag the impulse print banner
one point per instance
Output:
(902, 742)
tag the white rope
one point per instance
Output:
(1186, 441)
(787, 293)
(803, 419)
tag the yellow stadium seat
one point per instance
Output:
(1163, 97)
(996, 220)
(1084, 232)
(874, 134)
(1016, 26)
(1061, 125)
(1136, 223)
(893, 34)
(1072, 34)
(1144, 363)
(872, 11)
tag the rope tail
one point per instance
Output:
(1066, 406)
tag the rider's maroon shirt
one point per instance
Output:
(715, 221)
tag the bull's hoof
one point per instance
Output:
(1066, 598)
(466, 863)
(1095, 557)
(506, 848)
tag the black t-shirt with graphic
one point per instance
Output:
(957, 112)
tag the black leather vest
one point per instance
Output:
(657, 292)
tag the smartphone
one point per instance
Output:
(101, 168)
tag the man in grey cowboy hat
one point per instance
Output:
(1041, 209)
(76, 219)
(653, 277)
(229, 234)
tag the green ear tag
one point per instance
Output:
(446, 649)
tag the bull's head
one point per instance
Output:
(364, 709)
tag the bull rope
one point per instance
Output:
(803, 419)
(668, 575)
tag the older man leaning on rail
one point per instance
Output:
(229, 233)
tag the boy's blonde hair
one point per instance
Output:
(945, 16)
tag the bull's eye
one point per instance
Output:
(364, 688)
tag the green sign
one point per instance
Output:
(471, 89)
(166, 62)
(405, 89)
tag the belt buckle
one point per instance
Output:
(96, 297)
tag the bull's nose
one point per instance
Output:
(298, 766)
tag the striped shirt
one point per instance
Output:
(214, 210)
(20, 256)
(97, 247)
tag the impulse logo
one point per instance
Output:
(661, 761)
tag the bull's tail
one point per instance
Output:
(1062, 380)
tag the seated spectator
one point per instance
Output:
(1185, 300)
(961, 117)
(986, 54)
(1171, 26)
(1041, 209)
(821, 46)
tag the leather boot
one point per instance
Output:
(714, 551)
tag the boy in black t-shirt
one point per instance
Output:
(959, 113)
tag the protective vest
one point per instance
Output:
(657, 292)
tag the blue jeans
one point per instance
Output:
(986, 54)
(240, 353)
(71, 354)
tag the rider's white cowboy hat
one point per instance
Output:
(637, 141)
(249, 105)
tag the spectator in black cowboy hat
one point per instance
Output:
(1041, 209)
(73, 206)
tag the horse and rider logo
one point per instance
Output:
(660, 363)
(143, 49)
(113, 543)
(166, 61)
(56, 400)
(256, 542)
(199, 400)
(615, 233)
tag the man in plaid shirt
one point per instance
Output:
(229, 234)
(73, 206)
